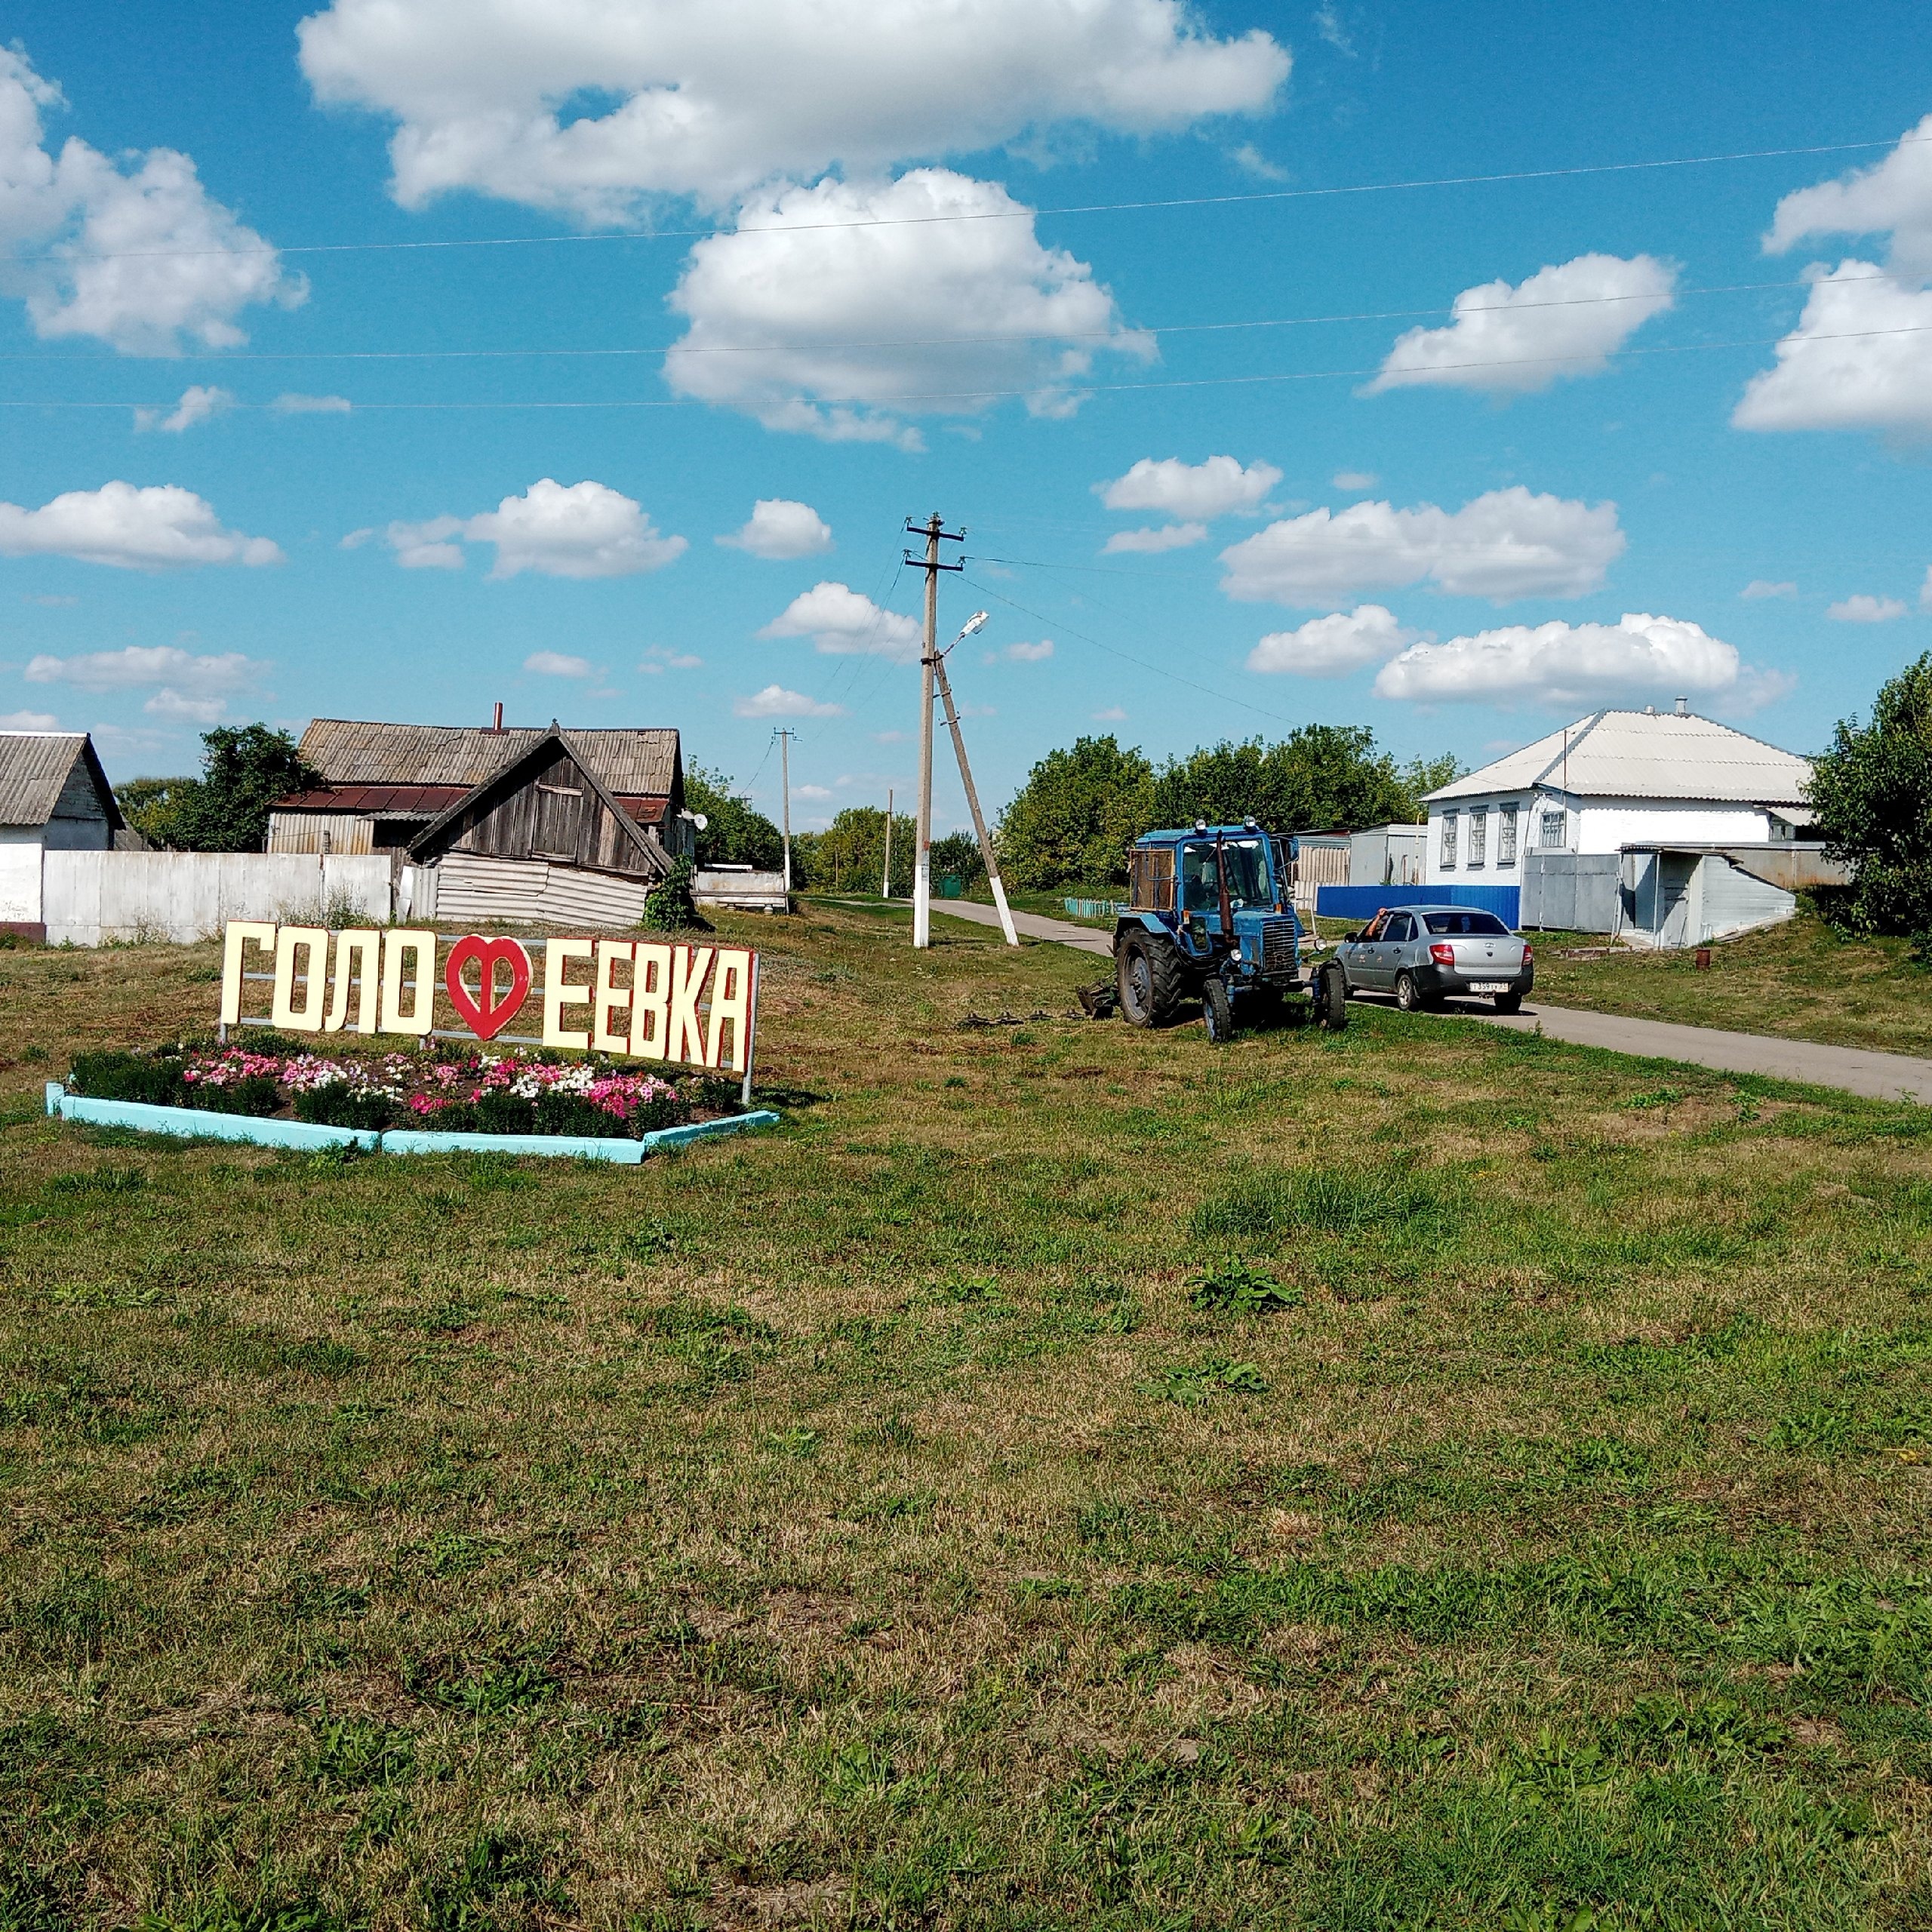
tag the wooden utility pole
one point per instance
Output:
(972, 800)
(935, 534)
(885, 877)
(785, 737)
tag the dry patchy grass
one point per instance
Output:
(879, 1522)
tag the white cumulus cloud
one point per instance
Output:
(1506, 544)
(160, 527)
(659, 658)
(131, 250)
(1893, 197)
(780, 530)
(1332, 646)
(843, 621)
(1028, 653)
(1568, 320)
(1151, 541)
(187, 689)
(1865, 609)
(579, 529)
(29, 721)
(775, 701)
(1760, 586)
(1637, 657)
(870, 321)
(558, 664)
(198, 402)
(593, 108)
(1354, 479)
(1860, 358)
(1197, 492)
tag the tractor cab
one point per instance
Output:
(1210, 916)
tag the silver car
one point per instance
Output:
(1425, 954)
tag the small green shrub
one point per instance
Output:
(335, 1103)
(1236, 1288)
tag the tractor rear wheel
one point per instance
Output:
(1217, 1010)
(1149, 973)
(1331, 998)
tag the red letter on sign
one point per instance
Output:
(690, 966)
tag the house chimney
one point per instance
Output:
(1684, 707)
(497, 723)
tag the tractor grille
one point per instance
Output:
(1277, 946)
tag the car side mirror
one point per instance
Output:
(1352, 939)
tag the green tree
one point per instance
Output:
(245, 769)
(1318, 777)
(957, 853)
(850, 855)
(1871, 798)
(1421, 776)
(737, 833)
(1071, 822)
(148, 805)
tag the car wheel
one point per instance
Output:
(1217, 1010)
(1408, 994)
(1509, 1002)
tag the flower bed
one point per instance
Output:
(469, 1091)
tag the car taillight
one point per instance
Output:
(1529, 953)
(1443, 955)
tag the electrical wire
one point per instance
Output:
(1022, 214)
(1082, 386)
(684, 348)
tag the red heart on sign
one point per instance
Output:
(486, 1015)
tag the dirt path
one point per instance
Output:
(1851, 1069)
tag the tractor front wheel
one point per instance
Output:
(1217, 1010)
(1149, 974)
(1331, 998)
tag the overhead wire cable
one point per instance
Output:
(1019, 213)
(1082, 384)
(682, 347)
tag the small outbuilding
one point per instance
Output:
(54, 797)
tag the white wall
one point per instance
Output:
(1590, 825)
(19, 875)
(90, 898)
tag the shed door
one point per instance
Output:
(558, 818)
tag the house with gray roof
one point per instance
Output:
(54, 797)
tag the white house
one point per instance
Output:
(1614, 779)
(54, 797)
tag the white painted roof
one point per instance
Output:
(1645, 755)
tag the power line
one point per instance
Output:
(1082, 384)
(684, 348)
(1022, 213)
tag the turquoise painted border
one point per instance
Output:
(196, 1123)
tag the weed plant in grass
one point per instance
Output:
(1424, 1476)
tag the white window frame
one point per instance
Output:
(1505, 838)
(1560, 818)
(1448, 849)
(1479, 840)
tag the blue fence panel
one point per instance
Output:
(1364, 901)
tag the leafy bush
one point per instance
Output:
(113, 1074)
(1872, 794)
(1236, 1288)
(670, 908)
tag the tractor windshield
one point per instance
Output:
(1247, 876)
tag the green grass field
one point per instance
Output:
(1066, 1476)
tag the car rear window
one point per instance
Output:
(1485, 925)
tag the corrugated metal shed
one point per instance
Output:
(34, 769)
(1646, 755)
(643, 762)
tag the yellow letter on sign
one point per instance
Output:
(419, 950)
(558, 993)
(731, 999)
(610, 999)
(241, 933)
(357, 951)
(306, 1018)
(650, 994)
(689, 966)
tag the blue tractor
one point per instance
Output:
(1209, 917)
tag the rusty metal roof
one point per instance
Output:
(639, 763)
(35, 767)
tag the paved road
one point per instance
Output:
(1851, 1069)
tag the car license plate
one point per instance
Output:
(1490, 987)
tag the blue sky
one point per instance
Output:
(1433, 525)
